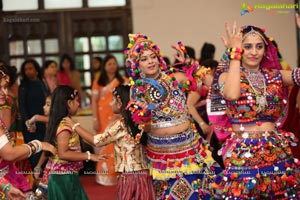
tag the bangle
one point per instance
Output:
(74, 126)
(35, 146)
(6, 188)
(37, 170)
(30, 152)
(89, 156)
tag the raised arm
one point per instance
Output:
(230, 81)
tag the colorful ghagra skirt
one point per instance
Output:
(259, 165)
(65, 187)
(181, 166)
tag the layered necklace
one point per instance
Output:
(256, 80)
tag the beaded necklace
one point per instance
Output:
(261, 99)
(7, 133)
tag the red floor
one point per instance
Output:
(96, 191)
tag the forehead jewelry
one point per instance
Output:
(254, 32)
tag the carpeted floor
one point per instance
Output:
(96, 191)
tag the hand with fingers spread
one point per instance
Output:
(234, 36)
(181, 54)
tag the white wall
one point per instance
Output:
(197, 21)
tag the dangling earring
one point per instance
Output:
(142, 74)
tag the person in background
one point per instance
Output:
(69, 75)
(50, 74)
(292, 122)
(96, 66)
(207, 52)
(196, 102)
(103, 115)
(31, 99)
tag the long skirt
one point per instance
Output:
(65, 187)
(258, 165)
(15, 176)
(181, 165)
(135, 186)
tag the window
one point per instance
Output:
(13, 5)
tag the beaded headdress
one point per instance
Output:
(4, 76)
(253, 32)
(115, 93)
(137, 44)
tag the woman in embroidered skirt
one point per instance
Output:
(178, 158)
(258, 160)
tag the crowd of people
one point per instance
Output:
(195, 129)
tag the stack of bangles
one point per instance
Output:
(34, 146)
(296, 76)
(234, 53)
(4, 187)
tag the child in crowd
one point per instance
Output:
(134, 181)
(64, 180)
(42, 188)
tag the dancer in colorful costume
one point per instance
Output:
(179, 160)
(12, 182)
(258, 160)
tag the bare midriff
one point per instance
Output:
(264, 126)
(173, 130)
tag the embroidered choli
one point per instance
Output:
(244, 110)
(63, 166)
(170, 108)
(129, 155)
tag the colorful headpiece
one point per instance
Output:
(253, 32)
(4, 76)
(116, 94)
(137, 44)
(74, 94)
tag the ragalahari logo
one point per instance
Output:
(246, 8)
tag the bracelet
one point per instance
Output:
(74, 126)
(234, 53)
(35, 146)
(37, 170)
(6, 188)
(89, 156)
(30, 152)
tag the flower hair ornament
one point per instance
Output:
(137, 44)
(74, 94)
(4, 76)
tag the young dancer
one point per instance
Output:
(64, 180)
(134, 181)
